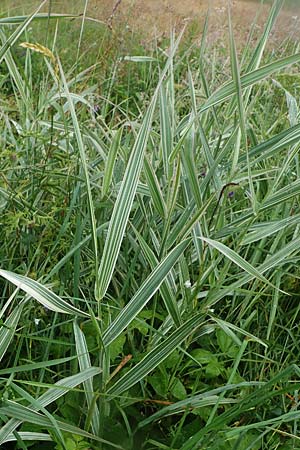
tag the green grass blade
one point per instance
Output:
(156, 356)
(25, 414)
(258, 52)
(154, 188)
(166, 131)
(228, 327)
(266, 229)
(282, 195)
(182, 229)
(15, 74)
(54, 393)
(112, 154)
(271, 147)
(85, 364)
(41, 16)
(240, 107)
(166, 290)
(284, 418)
(83, 158)
(271, 262)
(36, 366)
(17, 33)
(127, 193)
(42, 294)
(196, 401)
(122, 207)
(144, 294)
(256, 398)
(73, 250)
(29, 436)
(8, 328)
(249, 79)
(238, 260)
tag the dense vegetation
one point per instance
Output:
(149, 240)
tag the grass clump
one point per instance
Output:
(150, 248)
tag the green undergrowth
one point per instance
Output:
(149, 221)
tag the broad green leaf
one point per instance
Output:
(178, 390)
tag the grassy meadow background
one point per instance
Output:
(149, 223)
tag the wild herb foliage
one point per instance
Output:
(150, 249)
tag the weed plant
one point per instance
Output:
(149, 244)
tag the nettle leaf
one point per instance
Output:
(159, 382)
(140, 325)
(178, 390)
(226, 344)
(116, 347)
(172, 360)
(214, 369)
(204, 356)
